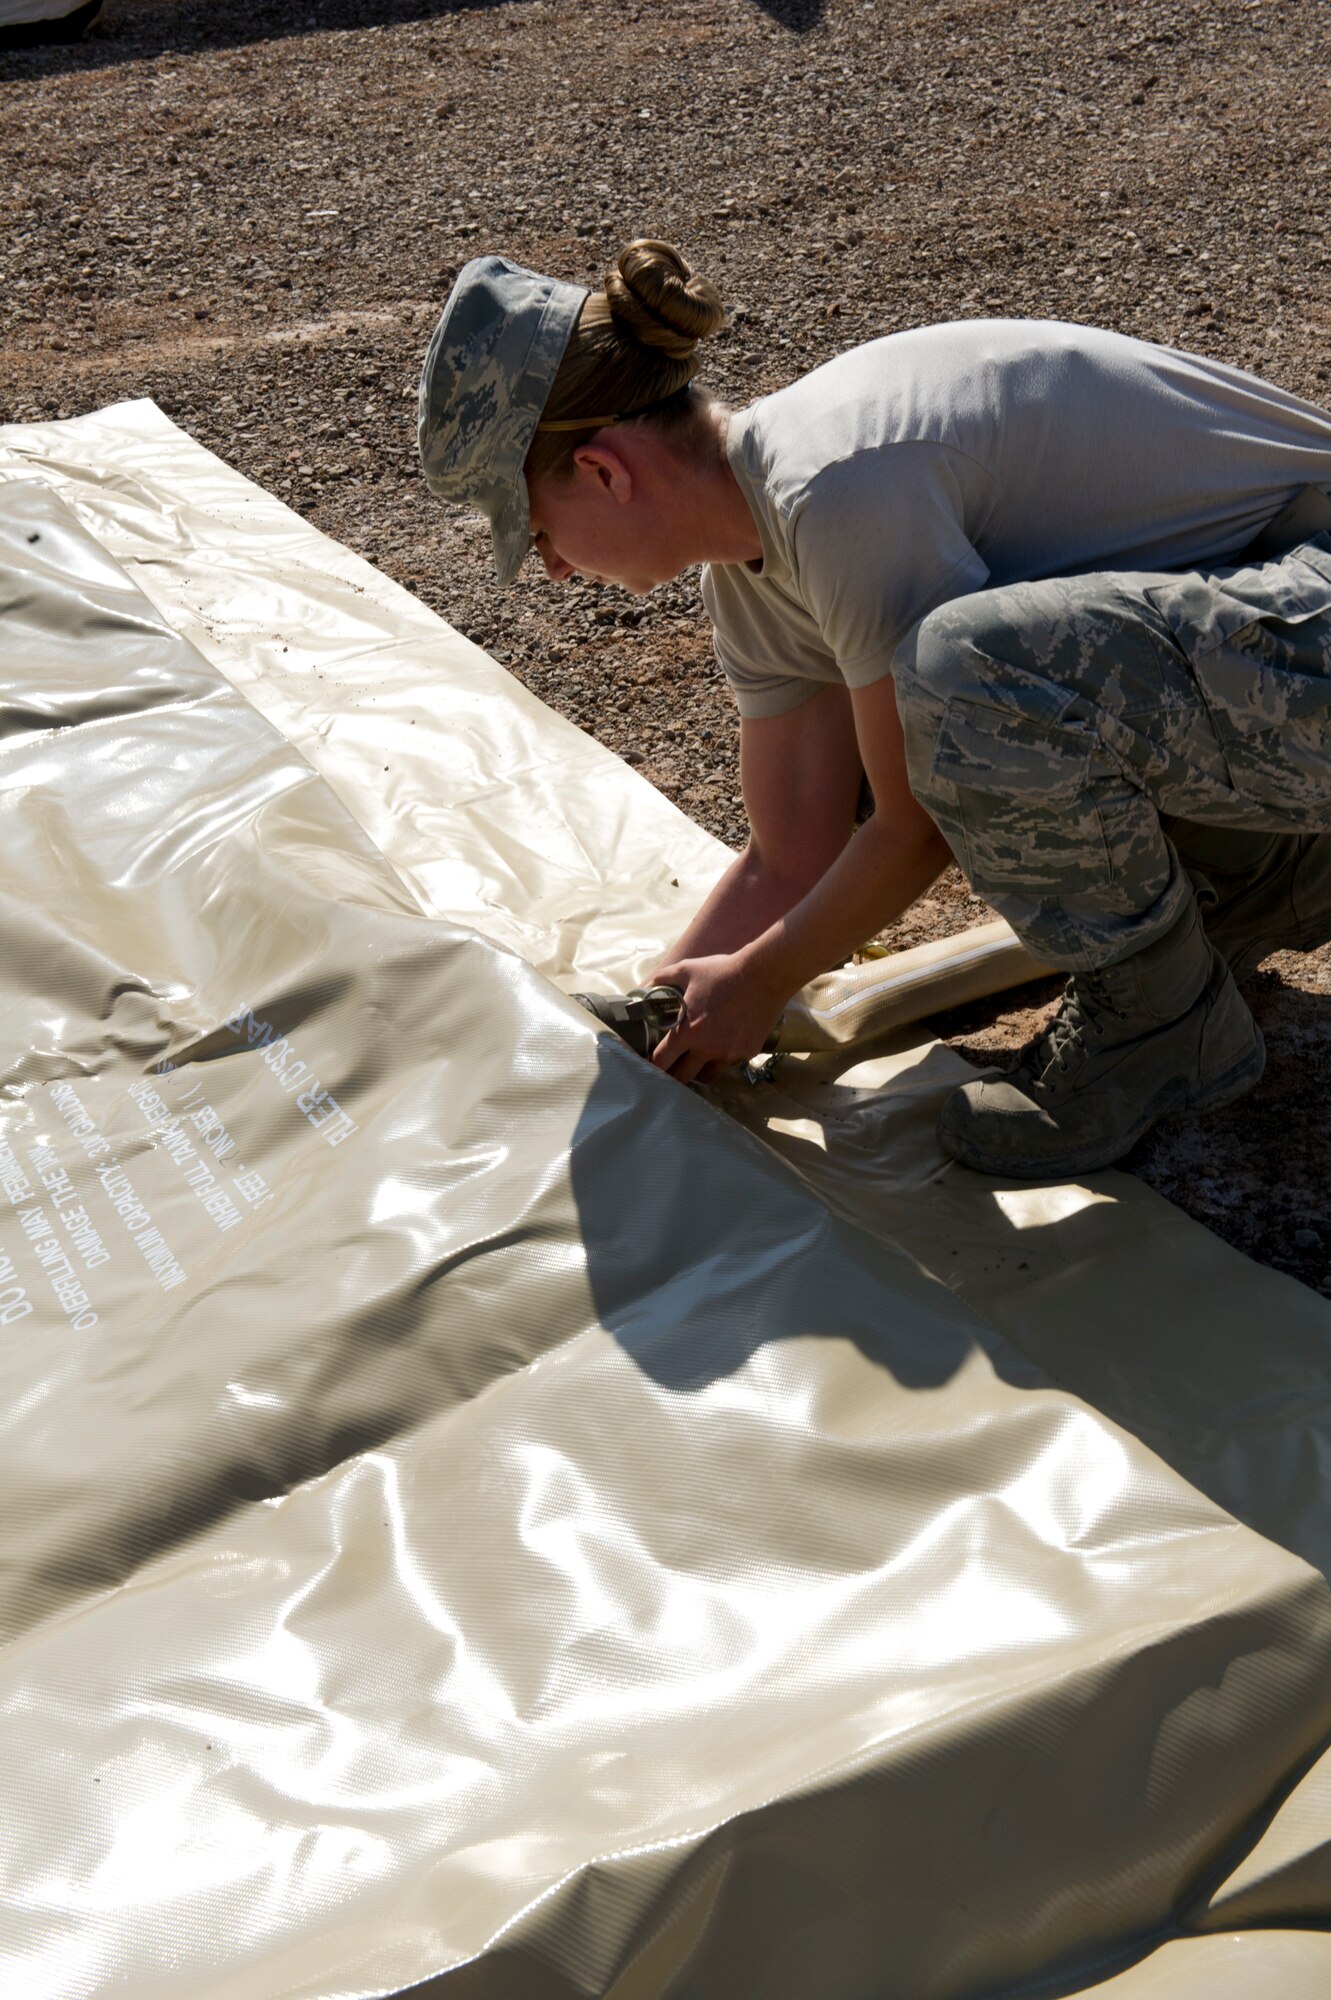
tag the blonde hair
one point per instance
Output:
(633, 352)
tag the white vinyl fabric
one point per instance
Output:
(495, 812)
(580, 1537)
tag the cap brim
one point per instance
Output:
(510, 531)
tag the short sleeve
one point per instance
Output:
(758, 691)
(767, 646)
(880, 540)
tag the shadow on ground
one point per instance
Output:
(797, 15)
(136, 30)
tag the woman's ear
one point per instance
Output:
(607, 467)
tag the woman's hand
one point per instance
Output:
(851, 888)
(729, 1011)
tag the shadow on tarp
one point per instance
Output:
(137, 30)
(1219, 1366)
(1239, 1409)
(645, 1174)
(1243, 1414)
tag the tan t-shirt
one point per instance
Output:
(932, 463)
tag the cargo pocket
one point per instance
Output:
(1020, 793)
(1258, 641)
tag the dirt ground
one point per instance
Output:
(253, 212)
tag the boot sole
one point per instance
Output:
(1223, 1089)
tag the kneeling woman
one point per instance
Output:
(1063, 596)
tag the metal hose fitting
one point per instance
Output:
(642, 1018)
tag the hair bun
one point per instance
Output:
(655, 297)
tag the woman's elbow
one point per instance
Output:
(793, 869)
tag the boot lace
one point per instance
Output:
(1062, 1045)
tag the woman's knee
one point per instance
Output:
(1041, 637)
(943, 654)
(943, 660)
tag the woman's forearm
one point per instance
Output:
(877, 876)
(749, 898)
(733, 998)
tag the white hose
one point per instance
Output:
(859, 1003)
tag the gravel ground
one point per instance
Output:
(253, 212)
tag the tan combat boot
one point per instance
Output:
(1163, 1030)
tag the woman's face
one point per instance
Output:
(600, 522)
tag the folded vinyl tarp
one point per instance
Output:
(477, 1522)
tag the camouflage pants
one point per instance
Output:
(1073, 738)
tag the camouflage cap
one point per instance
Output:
(490, 365)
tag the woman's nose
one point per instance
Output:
(555, 566)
